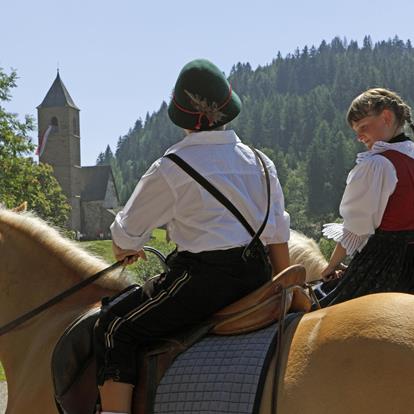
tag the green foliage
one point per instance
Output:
(14, 141)
(279, 159)
(327, 247)
(21, 179)
(105, 158)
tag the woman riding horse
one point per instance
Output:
(377, 205)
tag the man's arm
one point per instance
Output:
(150, 206)
(279, 256)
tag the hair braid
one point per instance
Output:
(408, 117)
(374, 101)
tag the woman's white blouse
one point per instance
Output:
(368, 187)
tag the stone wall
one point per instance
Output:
(96, 220)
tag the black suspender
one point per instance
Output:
(255, 243)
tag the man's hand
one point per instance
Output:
(127, 256)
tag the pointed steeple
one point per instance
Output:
(58, 96)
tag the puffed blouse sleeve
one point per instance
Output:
(368, 188)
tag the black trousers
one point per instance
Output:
(197, 285)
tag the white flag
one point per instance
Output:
(43, 140)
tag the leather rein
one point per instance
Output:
(56, 299)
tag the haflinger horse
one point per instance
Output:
(355, 357)
(305, 251)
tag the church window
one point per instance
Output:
(55, 124)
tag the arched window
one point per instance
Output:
(55, 124)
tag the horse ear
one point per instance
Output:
(21, 208)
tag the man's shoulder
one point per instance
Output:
(154, 168)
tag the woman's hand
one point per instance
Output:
(331, 274)
(127, 256)
(335, 268)
(336, 274)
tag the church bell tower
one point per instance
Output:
(59, 144)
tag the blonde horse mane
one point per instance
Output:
(70, 253)
(305, 251)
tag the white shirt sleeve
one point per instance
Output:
(151, 205)
(350, 241)
(282, 217)
(277, 203)
(369, 186)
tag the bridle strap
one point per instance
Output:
(58, 298)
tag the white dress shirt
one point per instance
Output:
(196, 220)
(368, 187)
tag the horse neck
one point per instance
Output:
(31, 273)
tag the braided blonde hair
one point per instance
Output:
(374, 101)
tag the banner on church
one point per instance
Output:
(43, 140)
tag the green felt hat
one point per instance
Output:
(202, 98)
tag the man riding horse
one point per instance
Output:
(223, 247)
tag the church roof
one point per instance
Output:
(57, 96)
(95, 182)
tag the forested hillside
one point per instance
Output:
(294, 110)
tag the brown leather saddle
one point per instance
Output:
(73, 362)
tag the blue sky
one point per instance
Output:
(119, 60)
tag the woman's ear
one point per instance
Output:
(388, 116)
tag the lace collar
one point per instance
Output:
(405, 147)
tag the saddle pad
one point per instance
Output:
(73, 352)
(219, 374)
